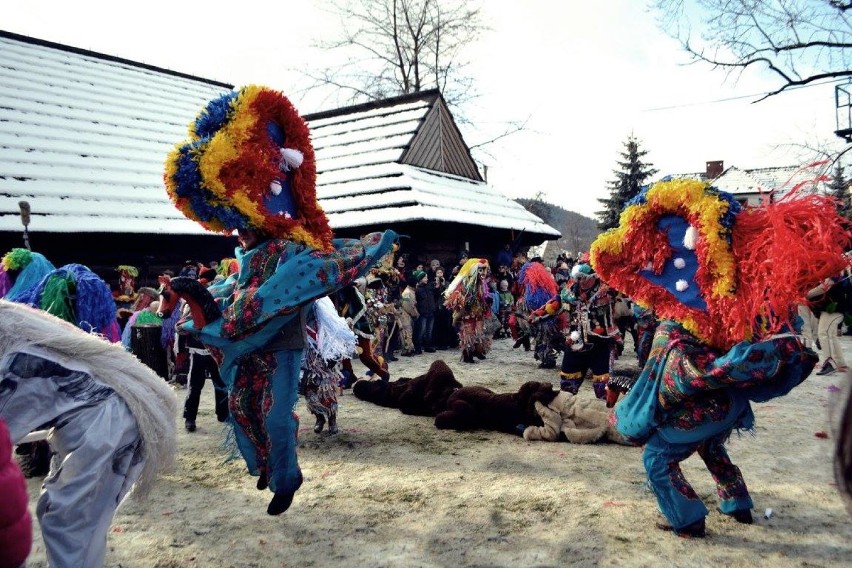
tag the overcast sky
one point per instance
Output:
(586, 73)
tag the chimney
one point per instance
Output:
(714, 169)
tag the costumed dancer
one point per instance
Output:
(20, 270)
(125, 295)
(110, 421)
(468, 297)
(646, 326)
(725, 282)
(77, 295)
(378, 313)
(227, 267)
(329, 341)
(594, 340)
(249, 166)
(544, 312)
(352, 306)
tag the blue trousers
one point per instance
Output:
(423, 331)
(261, 403)
(675, 496)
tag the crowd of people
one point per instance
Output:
(712, 324)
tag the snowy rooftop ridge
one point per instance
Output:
(779, 180)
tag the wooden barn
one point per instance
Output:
(403, 163)
(83, 139)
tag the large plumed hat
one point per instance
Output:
(249, 164)
(727, 273)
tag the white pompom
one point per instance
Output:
(681, 285)
(690, 238)
(291, 158)
(575, 336)
(275, 187)
(679, 263)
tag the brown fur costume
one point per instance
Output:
(425, 395)
(582, 421)
(478, 408)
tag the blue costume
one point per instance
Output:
(249, 166)
(724, 282)
(690, 397)
(259, 366)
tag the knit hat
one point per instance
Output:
(418, 275)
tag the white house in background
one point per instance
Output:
(84, 136)
(760, 185)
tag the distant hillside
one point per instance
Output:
(578, 231)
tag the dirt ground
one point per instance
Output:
(393, 491)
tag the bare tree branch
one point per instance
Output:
(798, 41)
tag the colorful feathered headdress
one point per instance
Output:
(28, 268)
(726, 273)
(249, 164)
(467, 276)
(539, 284)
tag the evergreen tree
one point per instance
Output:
(630, 178)
(840, 191)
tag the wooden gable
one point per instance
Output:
(438, 145)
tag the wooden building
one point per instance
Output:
(84, 136)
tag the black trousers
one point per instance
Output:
(200, 367)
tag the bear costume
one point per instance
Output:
(582, 421)
(425, 395)
(478, 408)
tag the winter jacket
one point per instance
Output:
(426, 303)
(16, 532)
(583, 421)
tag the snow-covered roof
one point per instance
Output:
(779, 181)
(755, 181)
(402, 193)
(83, 139)
(84, 136)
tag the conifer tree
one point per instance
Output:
(840, 191)
(630, 178)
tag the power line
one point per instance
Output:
(738, 97)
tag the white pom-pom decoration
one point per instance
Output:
(575, 336)
(690, 238)
(275, 187)
(291, 158)
(681, 285)
(679, 263)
